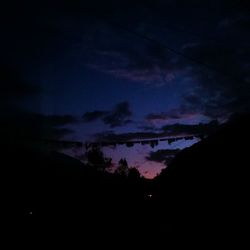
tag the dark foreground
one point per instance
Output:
(201, 198)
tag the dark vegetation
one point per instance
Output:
(203, 194)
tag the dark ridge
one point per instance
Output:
(204, 192)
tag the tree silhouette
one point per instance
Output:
(122, 168)
(96, 159)
(134, 174)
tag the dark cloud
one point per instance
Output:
(214, 34)
(102, 44)
(143, 63)
(164, 116)
(223, 87)
(117, 117)
(166, 131)
(149, 62)
(179, 129)
(113, 137)
(94, 115)
(147, 128)
(157, 116)
(182, 112)
(162, 155)
(216, 61)
(21, 125)
(18, 124)
(52, 126)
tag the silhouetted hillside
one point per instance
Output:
(204, 192)
(52, 192)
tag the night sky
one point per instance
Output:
(110, 70)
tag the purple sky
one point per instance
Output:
(125, 67)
